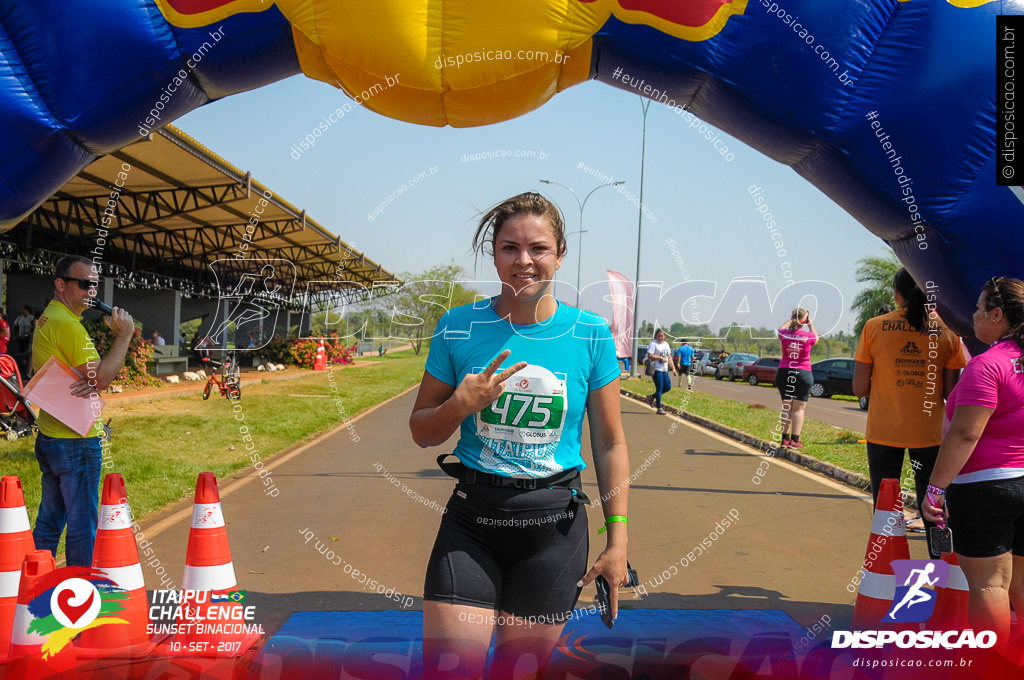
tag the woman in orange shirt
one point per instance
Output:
(908, 363)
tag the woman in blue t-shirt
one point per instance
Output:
(513, 375)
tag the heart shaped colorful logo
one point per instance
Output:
(75, 603)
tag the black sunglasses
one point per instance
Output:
(84, 284)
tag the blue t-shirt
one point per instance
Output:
(533, 428)
(685, 354)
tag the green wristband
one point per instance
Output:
(610, 520)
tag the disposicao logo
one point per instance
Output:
(70, 600)
(914, 602)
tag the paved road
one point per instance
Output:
(845, 414)
(799, 540)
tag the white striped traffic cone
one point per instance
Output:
(208, 563)
(888, 542)
(209, 570)
(15, 542)
(26, 657)
(117, 555)
(320, 362)
(951, 603)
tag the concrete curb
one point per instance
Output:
(854, 479)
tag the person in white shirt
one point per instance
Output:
(660, 353)
(24, 324)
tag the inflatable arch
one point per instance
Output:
(887, 106)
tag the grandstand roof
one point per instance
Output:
(182, 208)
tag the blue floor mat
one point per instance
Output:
(388, 644)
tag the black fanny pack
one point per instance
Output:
(467, 475)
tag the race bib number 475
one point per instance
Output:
(531, 410)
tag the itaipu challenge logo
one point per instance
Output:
(70, 600)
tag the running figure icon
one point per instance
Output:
(916, 593)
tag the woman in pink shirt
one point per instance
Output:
(794, 378)
(978, 480)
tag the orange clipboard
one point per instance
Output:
(50, 390)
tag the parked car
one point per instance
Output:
(698, 354)
(732, 367)
(834, 376)
(706, 364)
(762, 370)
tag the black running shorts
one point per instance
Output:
(987, 518)
(510, 550)
(794, 383)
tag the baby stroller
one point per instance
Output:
(17, 418)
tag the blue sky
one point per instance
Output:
(698, 202)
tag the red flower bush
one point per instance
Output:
(133, 373)
(303, 351)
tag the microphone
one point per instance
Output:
(102, 306)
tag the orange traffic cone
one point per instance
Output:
(210, 623)
(15, 542)
(888, 542)
(208, 563)
(26, 657)
(951, 603)
(117, 555)
(320, 363)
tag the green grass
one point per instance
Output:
(161, 446)
(823, 441)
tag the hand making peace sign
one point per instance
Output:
(477, 390)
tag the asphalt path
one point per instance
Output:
(845, 414)
(361, 496)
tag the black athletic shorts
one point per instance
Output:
(684, 369)
(794, 383)
(987, 518)
(510, 550)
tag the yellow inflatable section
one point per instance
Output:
(444, 63)
(457, 62)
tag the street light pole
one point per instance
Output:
(645, 104)
(582, 204)
(579, 259)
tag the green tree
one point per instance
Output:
(878, 273)
(414, 309)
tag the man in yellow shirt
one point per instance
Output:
(69, 462)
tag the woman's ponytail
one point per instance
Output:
(913, 299)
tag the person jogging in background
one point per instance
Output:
(894, 358)
(683, 358)
(794, 378)
(512, 375)
(659, 355)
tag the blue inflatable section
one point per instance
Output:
(887, 107)
(77, 79)
(899, 130)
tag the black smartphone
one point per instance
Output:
(604, 602)
(941, 540)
